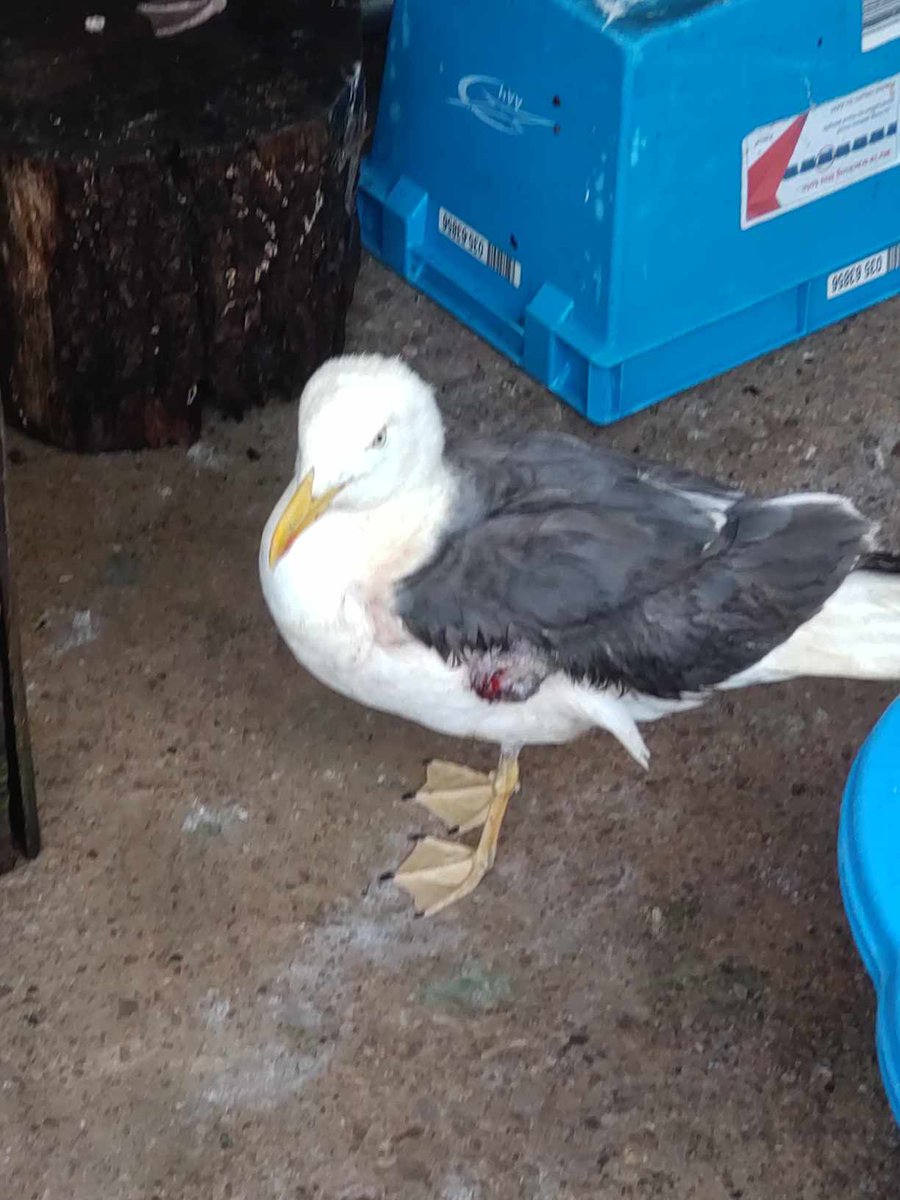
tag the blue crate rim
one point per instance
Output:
(871, 810)
(547, 249)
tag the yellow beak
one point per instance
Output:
(301, 511)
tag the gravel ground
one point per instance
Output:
(205, 991)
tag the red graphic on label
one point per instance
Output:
(765, 176)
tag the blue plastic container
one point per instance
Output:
(626, 207)
(869, 866)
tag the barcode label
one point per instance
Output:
(876, 266)
(479, 247)
(880, 22)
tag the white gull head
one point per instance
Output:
(370, 440)
(369, 426)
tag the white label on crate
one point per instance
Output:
(880, 22)
(801, 159)
(862, 272)
(479, 247)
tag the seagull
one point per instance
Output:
(529, 589)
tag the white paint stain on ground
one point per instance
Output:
(217, 1009)
(82, 631)
(257, 1050)
(260, 1049)
(202, 819)
(458, 1189)
(257, 1078)
(376, 932)
(206, 457)
(327, 958)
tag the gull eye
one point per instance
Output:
(379, 439)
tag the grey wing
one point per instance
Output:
(624, 572)
(545, 464)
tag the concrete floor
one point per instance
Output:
(205, 992)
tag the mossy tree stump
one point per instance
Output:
(177, 210)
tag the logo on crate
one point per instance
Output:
(495, 104)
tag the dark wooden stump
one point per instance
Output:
(19, 830)
(177, 210)
(376, 27)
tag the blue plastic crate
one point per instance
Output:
(626, 207)
(869, 866)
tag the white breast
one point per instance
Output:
(331, 597)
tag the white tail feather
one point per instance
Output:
(855, 636)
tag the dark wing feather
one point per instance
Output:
(621, 571)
